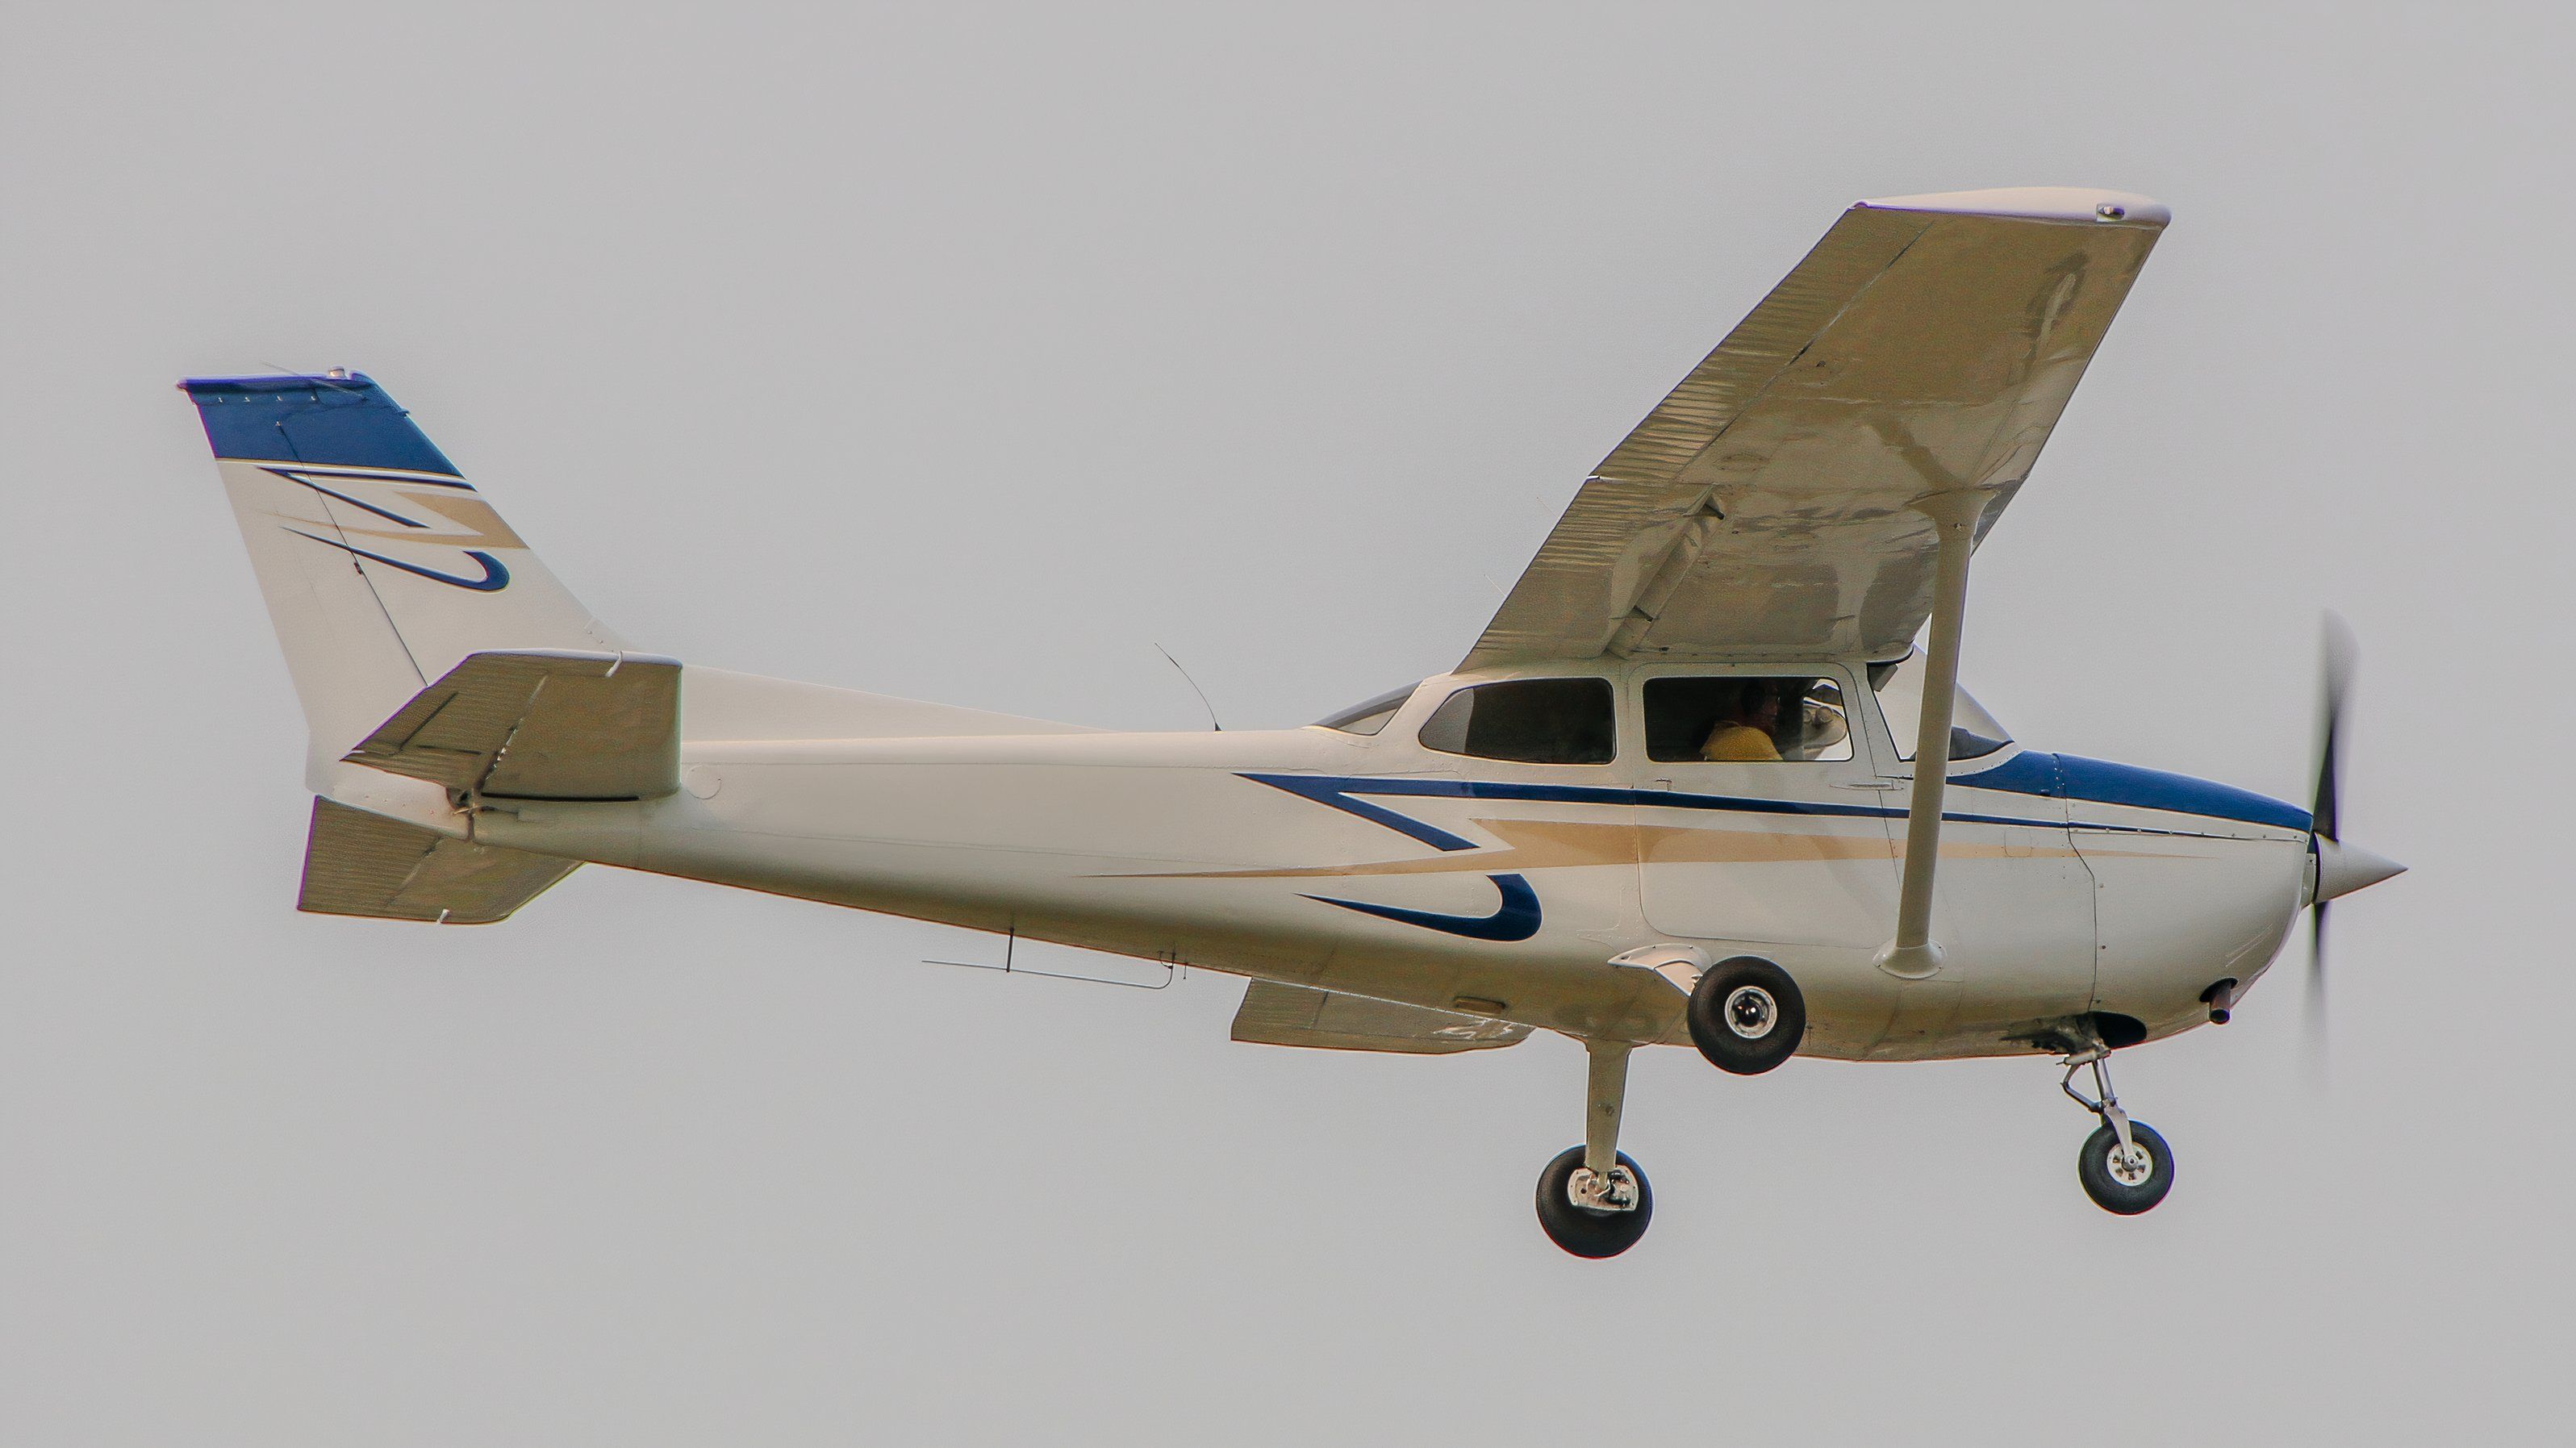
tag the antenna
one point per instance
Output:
(1194, 687)
(1173, 967)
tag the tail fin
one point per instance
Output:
(382, 567)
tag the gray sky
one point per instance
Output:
(967, 355)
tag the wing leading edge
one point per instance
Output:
(1764, 509)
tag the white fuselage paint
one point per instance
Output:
(1166, 846)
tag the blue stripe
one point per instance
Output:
(422, 481)
(2099, 781)
(2103, 782)
(1338, 792)
(350, 421)
(1516, 919)
(293, 476)
(1324, 789)
(494, 579)
(2029, 773)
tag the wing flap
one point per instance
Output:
(540, 725)
(1293, 1015)
(356, 863)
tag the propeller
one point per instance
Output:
(2341, 868)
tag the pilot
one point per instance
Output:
(1744, 733)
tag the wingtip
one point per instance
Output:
(2036, 203)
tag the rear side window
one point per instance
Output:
(1531, 721)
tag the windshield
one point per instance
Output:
(1973, 731)
(1369, 716)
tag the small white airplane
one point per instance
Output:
(1693, 784)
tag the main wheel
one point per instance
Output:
(2131, 1185)
(1747, 1016)
(1589, 1231)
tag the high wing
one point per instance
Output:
(1764, 509)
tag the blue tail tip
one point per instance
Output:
(342, 420)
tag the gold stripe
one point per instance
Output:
(484, 526)
(1562, 844)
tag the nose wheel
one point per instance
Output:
(2125, 1167)
(2125, 1178)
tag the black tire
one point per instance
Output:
(1747, 1016)
(2093, 1168)
(1585, 1231)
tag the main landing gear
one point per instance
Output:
(2125, 1167)
(1746, 1015)
(1593, 1200)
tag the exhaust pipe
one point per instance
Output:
(2221, 1000)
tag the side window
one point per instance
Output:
(1742, 720)
(1533, 721)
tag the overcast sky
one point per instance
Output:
(969, 355)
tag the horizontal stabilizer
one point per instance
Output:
(1293, 1015)
(540, 725)
(357, 863)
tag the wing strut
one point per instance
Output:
(1913, 954)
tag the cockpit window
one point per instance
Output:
(1739, 720)
(1370, 716)
(1533, 721)
(1973, 731)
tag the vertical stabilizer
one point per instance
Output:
(383, 568)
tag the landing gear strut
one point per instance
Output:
(2125, 1166)
(1593, 1200)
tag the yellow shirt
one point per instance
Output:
(1733, 743)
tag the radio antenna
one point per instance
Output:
(1194, 687)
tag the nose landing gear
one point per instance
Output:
(2125, 1167)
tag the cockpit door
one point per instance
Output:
(2012, 901)
(1772, 832)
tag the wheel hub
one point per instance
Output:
(1751, 1012)
(1615, 1191)
(2131, 1166)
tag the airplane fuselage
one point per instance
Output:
(2069, 890)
